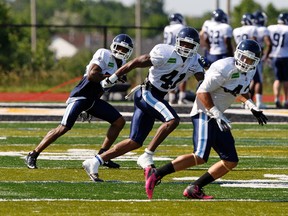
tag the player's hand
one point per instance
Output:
(222, 121)
(109, 81)
(85, 116)
(204, 62)
(123, 78)
(262, 119)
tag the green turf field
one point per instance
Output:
(258, 186)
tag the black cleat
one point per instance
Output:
(111, 164)
(31, 159)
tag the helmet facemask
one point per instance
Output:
(245, 60)
(185, 51)
(118, 51)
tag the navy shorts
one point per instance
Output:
(258, 77)
(97, 108)
(149, 106)
(280, 66)
(207, 135)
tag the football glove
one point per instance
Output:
(109, 81)
(262, 119)
(203, 61)
(85, 117)
(222, 121)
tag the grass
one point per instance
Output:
(258, 186)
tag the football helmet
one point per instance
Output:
(247, 55)
(122, 40)
(260, 18)
(176, 18)
(283, 18)
(247, 19)
(219, 15)
(187, 35)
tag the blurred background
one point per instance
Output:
(46, 44)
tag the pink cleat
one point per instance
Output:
(194, 192)
(151, 181)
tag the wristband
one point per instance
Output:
(249, 103)
(113, 78)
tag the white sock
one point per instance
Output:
(172, 97)
(258, 98)
(149, 152)
(182, 95)
(99, 159)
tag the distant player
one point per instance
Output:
(225, 80)
(219, 37)
(279, 55)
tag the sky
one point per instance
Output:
(198, 7)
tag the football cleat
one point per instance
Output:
(151, 181)
(278, 105)
(111, 164)
(195, 192)
(31, 159)
(91, 167)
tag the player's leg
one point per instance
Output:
(182, 93)
(156, 107)
(225, 147)
(200, 155)
(258, 86)
(70, 116)
(105, 111)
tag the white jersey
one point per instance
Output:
(223, 81)
(104, 58)
(279, 37)
(262, 32)
(171, 31)
(217, 34)
(168, 69)
(206, 25)
(244, 32)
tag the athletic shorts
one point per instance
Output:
(97, 108)
(149, 105)
(207, 135)
(280, 67)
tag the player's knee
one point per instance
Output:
(229, 165)
(199, 160)
(120, 122)
(60, 130)
(173, 123)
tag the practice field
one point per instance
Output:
(258, 186)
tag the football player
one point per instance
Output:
(168, 66)
(218, 37)
(176, 23)
(247, 30)
(86, 97)
(225, 80)
(279, 55)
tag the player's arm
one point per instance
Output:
(213, 111)
(206, 99)
(94, 74)
(142, 61)
(139, 62)
(268, 47)
(228, 42)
